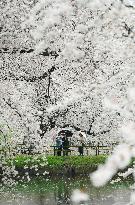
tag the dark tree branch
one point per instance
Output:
(50, 71)
(1, 131)
(128, 30)
(98, 133)
(61, 113)
(91, 124)
(74, 25)
(103, 132)
(1, 28)
(13, 108)
(43, 127)
(48, 87)
(126, 5)
(93, 133)
(51, 122)
(33, 78)
(24, 50)
(46, 52)
(73, 126)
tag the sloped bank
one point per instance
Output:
(74, 165)
(56, 165)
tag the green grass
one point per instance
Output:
(56, 161)
(27, 160)
(56, 165)
(76, 160)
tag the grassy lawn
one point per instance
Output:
(57, 164)
(76, 160)
(56, 161)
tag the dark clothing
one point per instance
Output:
(59, 146)
(59, 151)
(65, 144)
(80, 149)
(58, 142)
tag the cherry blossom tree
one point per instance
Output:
(82, 39)
(70, 62)
(60, 62)
(111, 56)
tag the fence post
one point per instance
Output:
(54, 150)
(98, 149)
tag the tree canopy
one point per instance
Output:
(63, 62)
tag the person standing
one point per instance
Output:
(59, 145)
(81, 144)
(65, 144)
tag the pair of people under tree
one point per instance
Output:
(62, 142)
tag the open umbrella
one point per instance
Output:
(66, 132)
